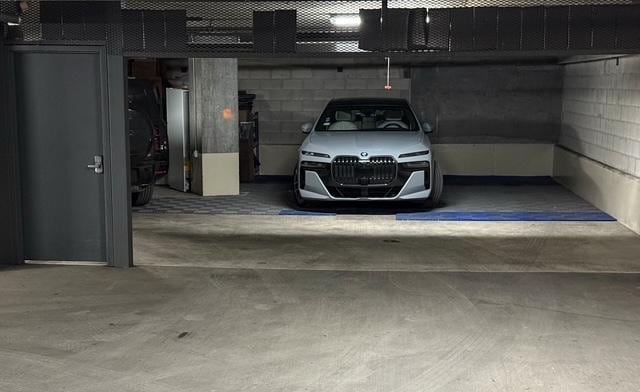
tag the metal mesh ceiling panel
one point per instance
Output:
(317, 28)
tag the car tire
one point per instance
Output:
(300, 202)
(143, 197)
(438, 185)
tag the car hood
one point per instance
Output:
(374, 143)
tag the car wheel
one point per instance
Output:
(143, 197)
(436, 192)
(296, 189)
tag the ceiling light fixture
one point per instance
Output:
(345, 20)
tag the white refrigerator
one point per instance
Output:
(178, 135)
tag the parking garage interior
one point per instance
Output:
(151, 238)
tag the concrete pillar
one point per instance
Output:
(214, 129)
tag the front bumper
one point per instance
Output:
(411, 188)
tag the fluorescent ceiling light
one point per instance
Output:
(13, 24)
(345, 20)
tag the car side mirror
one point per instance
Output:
(306, 127)
(426, 127)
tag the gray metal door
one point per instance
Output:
(61, 110)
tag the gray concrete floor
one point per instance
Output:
(85, 329)
(346, 303)
(380, 243)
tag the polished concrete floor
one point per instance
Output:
(342, 303)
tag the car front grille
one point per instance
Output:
(364, 192)
(350, 170)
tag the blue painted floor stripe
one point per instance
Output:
(305, 213)
(506, 216)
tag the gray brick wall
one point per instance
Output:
(286, 97)
(601, 112)
(489, 103)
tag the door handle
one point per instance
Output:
(97, 166)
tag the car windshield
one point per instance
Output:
(367, 118)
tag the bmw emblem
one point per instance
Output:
(364, 154)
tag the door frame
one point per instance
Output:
(117, 195)
(11, 243)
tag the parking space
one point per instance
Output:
(507, 227)
(460, 196)
(319, 196)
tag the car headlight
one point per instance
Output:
(414, 154)
(315, 154)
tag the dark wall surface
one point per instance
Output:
(10, 218)
(489, 103)
(121, 251)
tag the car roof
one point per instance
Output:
(369, 101)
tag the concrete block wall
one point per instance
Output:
(611, 190)
(598, 156)
(489, 103)
(483, 104)
(601, 112)
(286, 97)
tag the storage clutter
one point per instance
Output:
(249, 137)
